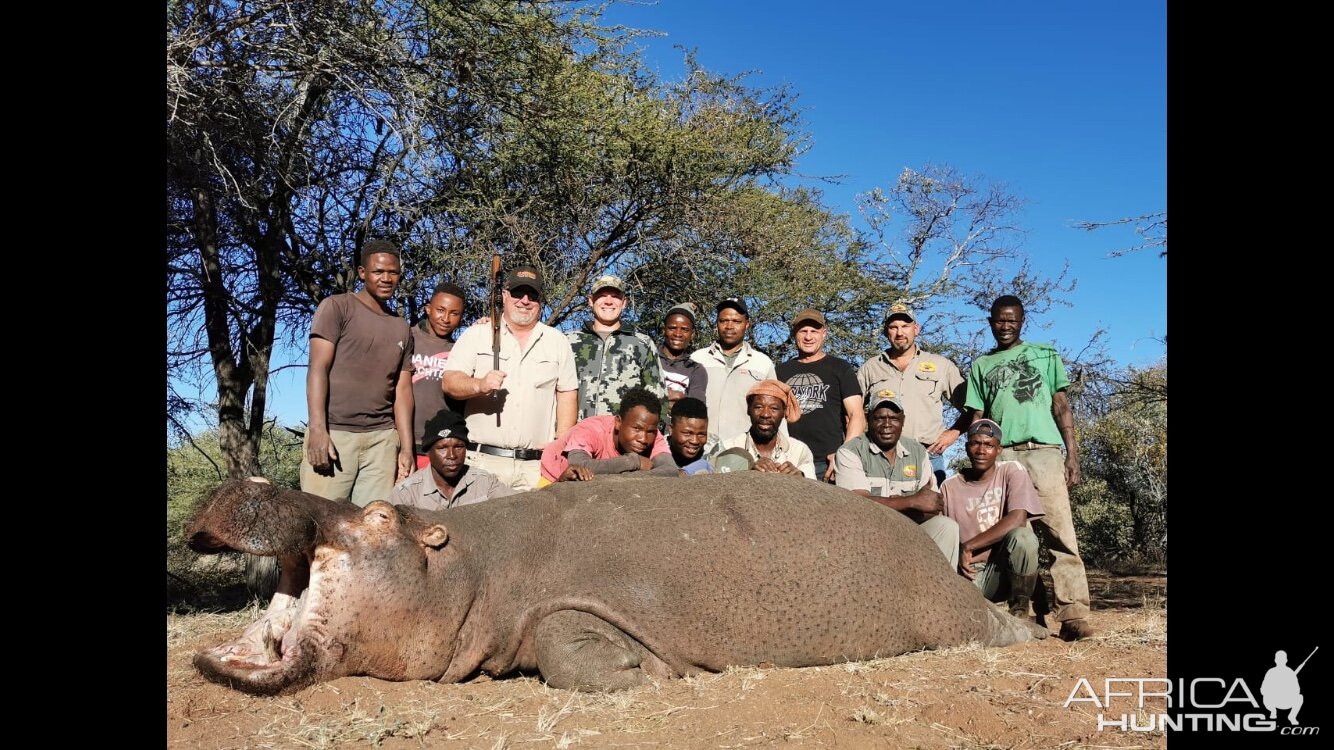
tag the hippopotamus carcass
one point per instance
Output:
(598, 585)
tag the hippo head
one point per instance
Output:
(351, 598)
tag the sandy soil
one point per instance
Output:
(966, 697)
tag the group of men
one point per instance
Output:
(548, 406)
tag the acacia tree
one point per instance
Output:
(950, 244)
(1151, 229)
(1121, 511)
(297, 130)
(456, 129)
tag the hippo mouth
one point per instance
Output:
(277, 653)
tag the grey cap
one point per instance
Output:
(884, 397)
(687, 309)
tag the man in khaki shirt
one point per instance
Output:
(922, 381)
(513, 411)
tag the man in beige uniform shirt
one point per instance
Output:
(921, 380)
(532, 399)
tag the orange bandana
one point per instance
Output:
(779, 390)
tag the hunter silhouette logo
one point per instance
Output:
(1281, 688)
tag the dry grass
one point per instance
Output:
(963, 697)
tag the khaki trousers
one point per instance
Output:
(368, 461)
(1069, 582)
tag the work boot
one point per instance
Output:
(1074, 630)
(1021, 590)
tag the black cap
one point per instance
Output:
(527, 276)
(736, 303)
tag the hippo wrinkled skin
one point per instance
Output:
(598, 585)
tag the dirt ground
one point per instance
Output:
(967, 697)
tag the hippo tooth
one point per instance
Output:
(271, 643)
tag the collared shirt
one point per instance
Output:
(419, 490)
(785, 449)
(527, 400)
(608, 367)
(726, 393)
(928, 380)
(861, 465)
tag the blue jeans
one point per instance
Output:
(937, 467)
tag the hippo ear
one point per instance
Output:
(435, 536)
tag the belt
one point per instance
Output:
(1030, 446)
(523, 454)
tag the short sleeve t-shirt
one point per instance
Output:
(371, 347)
(820, 388)
(977, 506)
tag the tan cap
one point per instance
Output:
(809, 315)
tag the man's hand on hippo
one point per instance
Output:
(645, 463)
(576, 474)
(829, 472)
(320, 451)
(770, 466)
(929, 502)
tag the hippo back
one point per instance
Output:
(715, 570)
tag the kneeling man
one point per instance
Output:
(768, 402)
(992, 502)
(896, 473)
(447, 481)
(607, 444)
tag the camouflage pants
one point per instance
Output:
(1069, 582)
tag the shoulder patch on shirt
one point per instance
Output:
(926, 366)
(910, 470)
(886, 393)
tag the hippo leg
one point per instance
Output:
(579, 651)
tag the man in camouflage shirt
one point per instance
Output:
(611, 358)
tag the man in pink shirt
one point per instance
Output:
(606, 444)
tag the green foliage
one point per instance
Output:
(1121, 506)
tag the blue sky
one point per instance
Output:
(1064, 102)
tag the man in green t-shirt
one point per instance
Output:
(1021, 386)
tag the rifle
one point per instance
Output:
(496, 310)
(1308, 658)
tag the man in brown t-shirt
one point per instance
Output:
(359, 388)
(992, 502)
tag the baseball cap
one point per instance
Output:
(608, 280)
(736, 303)
(898, 309)
(527, 276)
(733, 459)
(687, 309)
(985, 427)
(807, 316)
(884, 397)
